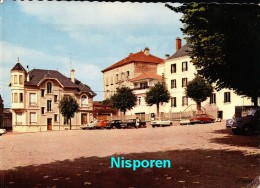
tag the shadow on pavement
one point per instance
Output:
(229, 138)
(190, 168)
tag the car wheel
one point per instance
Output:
(171, 124)
(201, 121)
(153, 126)
(247, 130)
(114, 127)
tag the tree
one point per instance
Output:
(199, 90)
(157, 94)
(224, 44)
(68, 107)
(124, 99)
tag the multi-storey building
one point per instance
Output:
(5, 116)
(36, 95)
(121, 73)
(178, 70)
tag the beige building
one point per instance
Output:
(36, 95)
(178, 70)
(134, 65)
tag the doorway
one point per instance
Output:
(84, 119)
(49, 124)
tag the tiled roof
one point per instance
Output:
(148, 75)
(37, 75)
(136, 57)
(183, 51)
(19, 67)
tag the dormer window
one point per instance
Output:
(84, 100)
(49, 87)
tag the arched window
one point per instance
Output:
(49, 87)
(84, 100)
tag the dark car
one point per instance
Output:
(114, 124)
(133, 123)
(249, 124)
(202, 118)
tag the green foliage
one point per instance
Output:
(198, 89)
(68, 107)
(157, 94)
(124, 99)
(224, 43)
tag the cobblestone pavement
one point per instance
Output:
(200, 149)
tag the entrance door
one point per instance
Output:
(49, 123)
(84, 119)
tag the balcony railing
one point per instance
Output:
(140, 88)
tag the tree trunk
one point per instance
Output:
(70, 123)
(124, 112)
(198, 106)
(157, 107)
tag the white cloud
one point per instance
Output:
(86, 72)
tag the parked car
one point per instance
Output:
(229, 123)
(161, 123)
(90, 125)
(137, 123)
(185, 122)
(101, 124)
(2, 131)
(114, 124)
(249, 124)
(202, 118)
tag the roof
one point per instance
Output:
(183, 51)
(19, 67)
(39, 75)
(136, 57)
(148, 75)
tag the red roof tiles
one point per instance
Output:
(136, 57)
(148, 75)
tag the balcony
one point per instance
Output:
(142, 88)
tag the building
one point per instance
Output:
(5, 116)
(134, 66)
(178, 71)
(36, 95)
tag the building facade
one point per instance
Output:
(36, 95)
(121, 73)
(179, 70)
(5, 116)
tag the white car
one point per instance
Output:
(161, 123)
(90, 125)
(185, 122)
(2, 131)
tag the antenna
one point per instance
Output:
(70, 54)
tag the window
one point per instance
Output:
(15, 79)
(184, 82)
(173, 68)
(127, 74)
(139, 100)
(184, 66)
(55, 117)
(117, 78)
(32, 98)
(212, 99)
(184, 101)
(20, 79)
(33, 117)
(143, 85)
(66, 121)
(173, 83)
(122, 76)
(173, 102)
(19, 118)
(15, 97)
(227, 97)
(42, 110)
(49, 87)
(112, 80)
(55, 98)
(84, 100)
(21, 97)
(48, 105)
(42, 92)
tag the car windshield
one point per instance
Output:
(252, 112)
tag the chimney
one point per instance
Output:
(146, 51)
(72, 75)
(178, 43)
(167, 56)
(28, 76)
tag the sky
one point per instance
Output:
(85, 36)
